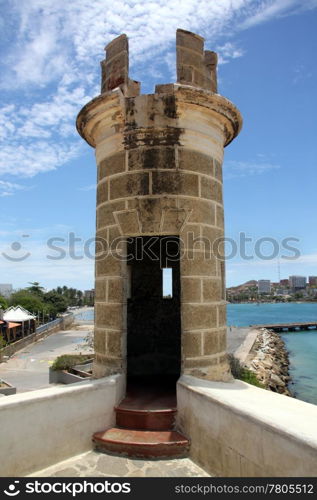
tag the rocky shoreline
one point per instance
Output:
(269, 361)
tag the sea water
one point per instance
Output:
(301, 345)
(85, 314)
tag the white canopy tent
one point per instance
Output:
(17, 314)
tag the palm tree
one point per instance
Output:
(36, 289)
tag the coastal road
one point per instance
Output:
(27, 369)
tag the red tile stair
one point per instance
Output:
(146, 420)
(141, 444)
(145, 428)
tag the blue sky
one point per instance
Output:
(50, 53)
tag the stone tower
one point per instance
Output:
(160, 216)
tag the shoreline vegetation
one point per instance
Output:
(269, 361)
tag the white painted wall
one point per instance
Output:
(238, 430)
(41, 428)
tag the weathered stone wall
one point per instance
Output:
(195, 66)
(238, 430)
(159, 160)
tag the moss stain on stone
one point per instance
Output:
(170, 106)
(169, 136)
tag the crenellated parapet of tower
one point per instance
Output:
(115, 68)
(195, 66)
(159, 159)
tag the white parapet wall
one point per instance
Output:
(238, 430)
(41, 428)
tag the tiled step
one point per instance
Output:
(151, 420)
(152, 410)
(145, 422)
(141, 444)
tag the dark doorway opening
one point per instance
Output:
(153, 315)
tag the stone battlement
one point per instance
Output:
(195, 66)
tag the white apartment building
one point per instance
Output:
(297, 282)
(6, 290)
(264, 286)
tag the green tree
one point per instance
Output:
(3, 303)
(72, 296)
(56, 301)
(36, 289)
(28, 300)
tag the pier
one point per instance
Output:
(289, 327)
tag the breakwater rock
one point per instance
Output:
(269, 361)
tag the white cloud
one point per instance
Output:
(301, 74)
(233, 168)
(91, 187)
(267, 10)
(30, 159)
(308, 259)
(26, 255)
(66, 38)
(50, 273)
(9, 188)
(239, 272)
(228, 51)
(7, 126)
(51, 66)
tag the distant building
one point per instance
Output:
(6, 290)
(312, 280)
(264, 286)
(90, 295)
(297, 282)
(284, 282)
(281, 291)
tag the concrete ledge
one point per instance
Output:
(41, 428)
(239, 430)
(8, 390)
(63, 377)
(244, 349)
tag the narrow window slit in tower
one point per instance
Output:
(167, 278)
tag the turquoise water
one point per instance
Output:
(301, 345)
(83, 315)
(252, 314)
(246, 314)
